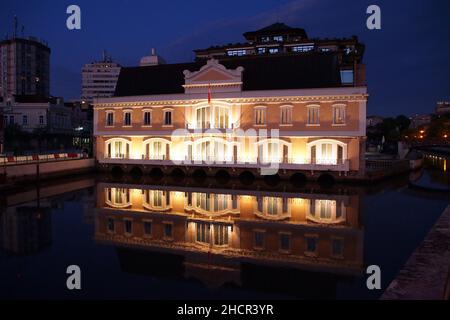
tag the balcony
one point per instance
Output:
(239, 162)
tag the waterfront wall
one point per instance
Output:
(47, 169)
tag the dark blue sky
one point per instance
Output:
(408, 67)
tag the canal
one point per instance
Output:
(174, 238)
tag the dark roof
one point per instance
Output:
(35, 99)
(276, 28)
(315, 70)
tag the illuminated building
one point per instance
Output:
(292, 111)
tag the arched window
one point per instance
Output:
(272, 208)
(327, 152)
(273, 151)
(212, 204)
(203, 117)
(118, 197)
(157, 149)
(156, 200)
(326, 211)
(212, 149)
(117, 148)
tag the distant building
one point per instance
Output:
(2, 131)
(99, 79)
(373, 121)
(24, 67)
(152, 60)
(280, 39)
(419, 120)
(443, 107)
(35, 112)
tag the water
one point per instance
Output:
(208, 240)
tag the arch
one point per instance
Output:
(222, 176)
(213, 149)
(136, 172)
(273, 150)
(298, 179)
(247, 177)
(327, 211)
(326, 180)
(117, 148)
(326, 151)
(118, 197)
(157, 148)
(156, 173)
(272, 208)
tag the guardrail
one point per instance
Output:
(12, 160)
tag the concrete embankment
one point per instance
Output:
(44, 170)
(426, 275)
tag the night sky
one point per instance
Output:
(408, 67)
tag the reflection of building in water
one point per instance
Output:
(305, 231)
(25, 229)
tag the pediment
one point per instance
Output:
(212, 75)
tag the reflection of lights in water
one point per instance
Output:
(445, 166)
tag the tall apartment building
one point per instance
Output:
(99, 79)
(295, 112)
(24, 67)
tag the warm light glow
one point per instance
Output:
(422, 131)
(445, 136)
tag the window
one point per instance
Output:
(339, 114)
(168, 229)
(128, 226)
(337, 247)
(203, 117)
(347, 76)
(259, 239)
(285, 242)
(147, 118)
(167, 117)
(110, 225)
(24, 120)
(239, 53)
(203, 231)
(41, 120)
(313, 115)
(325, 49)
(303, 48)
(109, 119)
(11, 120)
(221, 235)
(286, 115)
(147, 228)
(262, 50)
(311, 244)
(278, 38)
(127, 118)
(260, 116)
(274, 50)
(265, 39)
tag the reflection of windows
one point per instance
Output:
(221, 235)
(147, 228)
(168, 230)
(118, 197)
(337, 247)
(128, 226)
(210, 203)
(285, 242)
(156, 200)
(258, 239)
(203, 232)
(274, 208)
(311, 245)
(326, 211)
(110, 225)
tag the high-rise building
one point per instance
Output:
(99, 79)
(24, 67)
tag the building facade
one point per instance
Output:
(443, 107)
(272, 114)
(24, 67)
(99, 79)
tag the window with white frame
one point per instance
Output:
(109, 118)
(127, 118)
(260, 115)
(313, 115)
(167, 117)
(339, 114)
(147, 118)
(286, 115)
